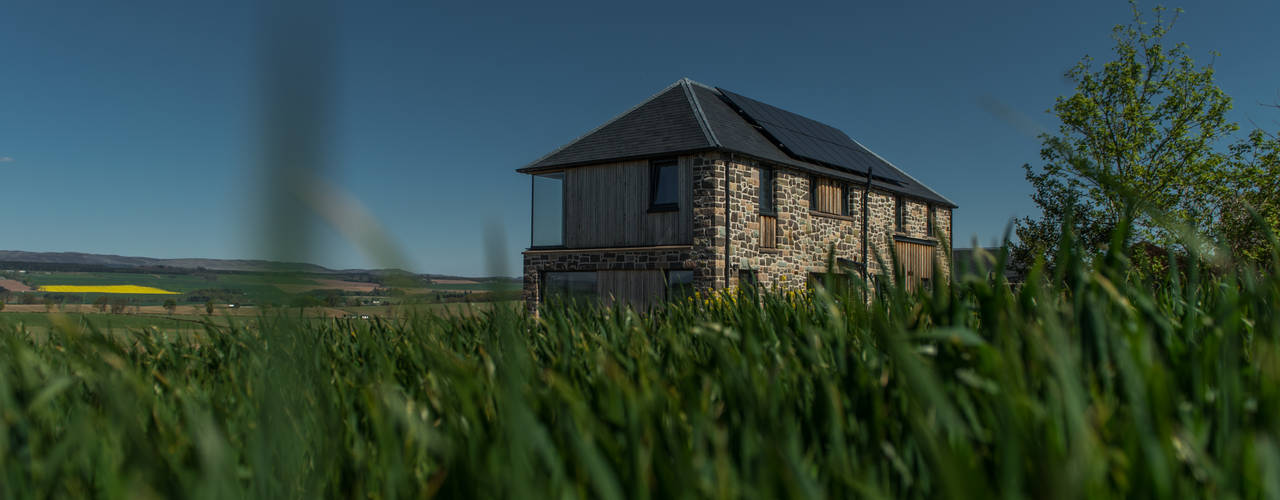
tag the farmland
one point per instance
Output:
(194, 288)
(1090, 380)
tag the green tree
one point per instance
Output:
(1136, 137)
(101, 303)
(1250, 199)
(208, 307)
(170, 305)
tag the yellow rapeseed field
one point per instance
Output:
(130, 289)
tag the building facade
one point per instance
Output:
(698, 188)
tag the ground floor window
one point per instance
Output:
(833, 282)
(575, 286)
(679, 284)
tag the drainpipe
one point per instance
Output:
(727, 225)
(866, 260)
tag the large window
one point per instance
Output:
(548, 210)
(767, 203)
(571, 286)
(664, 185)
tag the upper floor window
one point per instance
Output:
(548, 210)
(828, 195)
(900, 214)
(767, 203)
(664, 185)
(933, 214)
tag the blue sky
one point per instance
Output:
(137, 130)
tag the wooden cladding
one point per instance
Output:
(828, 196)
(609, 205)
(768, 231)
(916, 261)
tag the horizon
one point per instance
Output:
(140, 132)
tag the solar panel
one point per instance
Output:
(812, 140)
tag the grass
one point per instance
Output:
(1090, 381)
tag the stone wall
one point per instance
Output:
(805, 237)
(640, 259)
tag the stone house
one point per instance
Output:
(699, 188)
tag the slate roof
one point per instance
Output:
(688, 117)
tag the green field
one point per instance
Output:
(496, 286)
(1089, 381)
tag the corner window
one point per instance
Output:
(900, 215)
(664, 185)
(767, 205)
(548, 210)
(679, 284)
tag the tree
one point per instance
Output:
(1137, 138)
(118, 305)
(101, 303)
(208, 307)
(170, 305)
(1250, 200)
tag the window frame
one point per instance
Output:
(656, 166)
(769, 174)
(533, 201)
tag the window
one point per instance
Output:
(767, 204)
(679, 284)
(900, 215)
(827, 195)
(747, 280)
(932, 214)
(844, 199)
(571, 286)
(833, 282)
(664, 185)
(813, 193)
(548, 210)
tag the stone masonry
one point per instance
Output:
(804, 237)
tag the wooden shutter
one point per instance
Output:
(916, 261)
(768, 231)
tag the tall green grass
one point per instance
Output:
(1089, 381)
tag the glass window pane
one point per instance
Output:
(666, 184)
(766, 191)
(679, 284)
(575, 286)
(548, 210)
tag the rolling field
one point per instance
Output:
(1089, 381)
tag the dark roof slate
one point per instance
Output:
(689, 116)
(664, 123)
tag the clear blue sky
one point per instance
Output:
(137, 130)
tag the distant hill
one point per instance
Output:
(116, 261)
(67, 261)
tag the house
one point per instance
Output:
(699, 188)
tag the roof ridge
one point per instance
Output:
(605, 124)
(698, 113)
